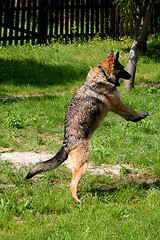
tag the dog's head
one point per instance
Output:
(114, 69)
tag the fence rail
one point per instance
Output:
(41, 20)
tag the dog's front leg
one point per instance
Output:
(130, 114)
(126, 112)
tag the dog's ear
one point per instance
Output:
(116, 57)
(111, 54)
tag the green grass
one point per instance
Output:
(56, 68)
(42, 208)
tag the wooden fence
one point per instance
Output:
(42, 20)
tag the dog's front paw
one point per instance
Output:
(142, 115)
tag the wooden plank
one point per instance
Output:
(102, 18)
(116, 24)
(28, 16)
(105, 5)
(11, 21)
(87, 18)
(51, 19)
(6, 18)
(77, 17)
(1, 14)
(82, 17)
(158, 14)
(106, 21)
(61, 17)
(72, 19)
(121, 29)
(131, 20)
(66, 18)
(34, 21)
(155, 20)
(20, 30)
(56, 17)
(17, 21)
(97, 16)
(92, 19)
(112, 22)
(19, 38)
(23, 21)
(42, 21)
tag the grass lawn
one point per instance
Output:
(112, 208)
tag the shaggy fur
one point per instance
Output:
(85, 112)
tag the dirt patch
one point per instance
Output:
(35, 95)
(25, 96)
(27, 158)
(113, 170)
(24, 158)
(153, 84)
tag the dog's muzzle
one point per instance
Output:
(127, 76)
(117, 82)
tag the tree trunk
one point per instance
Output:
(140, 37)
(131, 66)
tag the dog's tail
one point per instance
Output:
(50, 164)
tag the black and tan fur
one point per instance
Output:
(86, 111)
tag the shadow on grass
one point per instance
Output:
(28, 72)
(33, 97)
(120, 191)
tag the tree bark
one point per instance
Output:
(140, 37)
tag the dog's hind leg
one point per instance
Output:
(78, 160)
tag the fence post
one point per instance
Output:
(116, 25)
(1, 13)
(42, 21)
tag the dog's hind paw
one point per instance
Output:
(145, 114)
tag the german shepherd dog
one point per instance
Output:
(87, 109)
